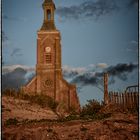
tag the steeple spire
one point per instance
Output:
(49, 8)
(48, 1)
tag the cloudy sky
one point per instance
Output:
(97, 36)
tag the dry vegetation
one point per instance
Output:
(27, 117)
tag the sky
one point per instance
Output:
(97, 36)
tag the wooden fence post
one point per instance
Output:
(127, 100)
(114, 95)
(132, 99)
(116, 98)
(106, 97)
(119, 99)
(137, 100)
(109, 97)
(123, 98)
(113, 98)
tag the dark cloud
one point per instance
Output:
(11, 68)
(69, 72)
(80, 76)
(14, 79)
(17, 52)
(133, 47)
(88, 9)
(13, 18)
(120, 71)
(5, 41)
(16, 76)
(85, 79)
(4, 37)
(133, 3)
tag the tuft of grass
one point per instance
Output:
(91, 111)
(9, 92)
(95, 116)
(9, 110)
(133, 110)
(91, 108)
(135, 132)
(72, 117)
(49, 130)
(11, 121)
(41, 99)
(68, 118)
(83, 128)
(26, 121)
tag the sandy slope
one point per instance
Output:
(21, 110)
(119, 126)
(115, 128)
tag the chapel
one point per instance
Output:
(48, 79)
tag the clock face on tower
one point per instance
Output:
(47, 49)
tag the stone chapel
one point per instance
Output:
(49, 79)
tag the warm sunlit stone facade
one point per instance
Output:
(49, 79)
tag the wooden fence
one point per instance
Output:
(126, 100)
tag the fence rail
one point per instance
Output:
(125, 100)
(134, 88)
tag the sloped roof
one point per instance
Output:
(48, 1)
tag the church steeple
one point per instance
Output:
(48, 80)
(49, 8)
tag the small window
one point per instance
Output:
(48, 58)
(49, 14)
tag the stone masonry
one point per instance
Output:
(49, 80)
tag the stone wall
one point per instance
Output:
(49, 80)
(66, 94)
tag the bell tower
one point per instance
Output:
(49, 8)
(49, 80)
(48, 66)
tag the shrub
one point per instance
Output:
(12, 122)
(25, 96)
(83, 128)
(91, 111)
(91, 108)
(72, 117)
(9, 92)
(38, 99)
(132, 110)
(72, 111)
(42, 100)
(101, 116)
(52, 104)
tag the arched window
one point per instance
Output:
(47, 54)
(49, 14)
(48, 57)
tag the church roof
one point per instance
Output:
(48, 2)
